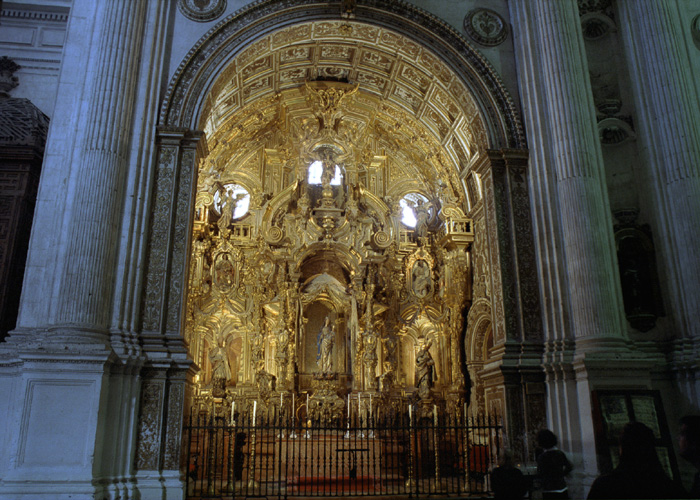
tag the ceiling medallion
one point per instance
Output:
(201, 11)
(486, 27)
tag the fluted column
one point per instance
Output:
(573, 164)
(667, 105)
(96, 202)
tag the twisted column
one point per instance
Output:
(574, 166)
(95, 208)
(667, 106)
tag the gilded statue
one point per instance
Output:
(264, 381)
(425, 371)
(422, 280)
(228, 207)
(326, 339)
(220, 369)
(422, 211)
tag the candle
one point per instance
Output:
(348, 409)
(359, 404)
(281, 400)
(410, 415)
(370, 405)
(307, 402)
(233, 405)
(255, 409)
(435, 414)
(292, 404)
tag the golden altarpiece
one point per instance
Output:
(330, 258)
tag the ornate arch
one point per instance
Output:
(184, 97)
(478, 324)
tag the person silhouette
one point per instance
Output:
(639, 473)
(689, 448)
(507, 481)
(552, 466)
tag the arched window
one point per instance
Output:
(408, 211)
(240, 196)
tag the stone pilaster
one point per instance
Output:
(656, 44)
(171, 218)
(159, 426)
(96, 200)
(515, 303)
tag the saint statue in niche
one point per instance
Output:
(220, 369)
(425, 371)
(326, 339)
(421, 279)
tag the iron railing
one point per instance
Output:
(270, 457)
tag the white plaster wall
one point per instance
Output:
(53, 436)
(186, 33)
(501, 56)
(35, 42)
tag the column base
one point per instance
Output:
(49, 490)
(154, 485)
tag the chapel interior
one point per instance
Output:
(342, 212)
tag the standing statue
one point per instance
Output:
(425, 371)
(422, 211)
(220, 369)
(228, 207)
(326, 339)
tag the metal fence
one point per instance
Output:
(269, 457)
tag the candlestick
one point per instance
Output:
(281, 393)
(233, 405)
(370, 406)
(348, 409)
(410, 415)
(255, 409)
(435, 414)
(359, 404)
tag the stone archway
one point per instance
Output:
(493, 166)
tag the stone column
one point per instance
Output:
(667, 106)
(94, 211)
(575, 161)
(584, 316)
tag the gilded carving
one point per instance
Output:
(305, 248)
